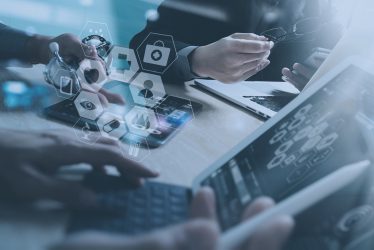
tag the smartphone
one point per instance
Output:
(172, 114)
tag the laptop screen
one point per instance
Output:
(319, 136)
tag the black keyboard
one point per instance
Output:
(274, 103)
(132, 211)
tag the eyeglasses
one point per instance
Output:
(299, 30)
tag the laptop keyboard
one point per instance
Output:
(274, 103)
(132, 211)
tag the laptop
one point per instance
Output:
(267, 98)
(262, 98)
(316, 134)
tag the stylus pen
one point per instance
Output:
(293, 205)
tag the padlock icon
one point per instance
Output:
(157, 54)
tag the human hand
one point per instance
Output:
(301, 74)
(104, 95)
(200, 233)
(71, 49)
(30, 160)
(232, 59)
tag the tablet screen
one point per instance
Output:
(319, 136)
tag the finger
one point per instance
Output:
(249, 36)
(297, 81)
(273, 235)
(254, 65)
(241, 58)
(35, 185)
(109, 141)
(89, 51)
(196, 235)
(258, 206)
(104, 101)
(95, 90)
(112, 97)
(204, 204)
(304, 71)
(105, 155)
(250, 46)
(98, 154)
(75, 47)
(253, 72)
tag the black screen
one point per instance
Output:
(319, 136)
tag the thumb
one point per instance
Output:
(194, 235)
(197, 234)
(203, 205)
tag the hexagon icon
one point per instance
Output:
(142, 121)
(147, 89)
(91, 72)
(135, 150)
(112, 126)
(157, 52)
(177, 116)
(86, 131)
(66, 83)
(88, 105)
(95, 29)
(122, 64)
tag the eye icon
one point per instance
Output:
(87, 105)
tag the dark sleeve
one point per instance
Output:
(180, 70)
(180, 25)
(13, 44)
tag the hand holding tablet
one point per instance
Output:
(295, 204)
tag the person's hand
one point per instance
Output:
(71, 49)
(299, 76)
(30, 160)
(74, 51)
(104, 95)
(201, 233)
(232, 59)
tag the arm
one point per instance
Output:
(209, 49)
(34, 49)
(13, 44)
(30, 161)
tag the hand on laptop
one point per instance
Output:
(30, 160)
(232, 59)
(200, 233)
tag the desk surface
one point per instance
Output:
(217, 128)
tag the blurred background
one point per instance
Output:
(123, 17)
(53, 17)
